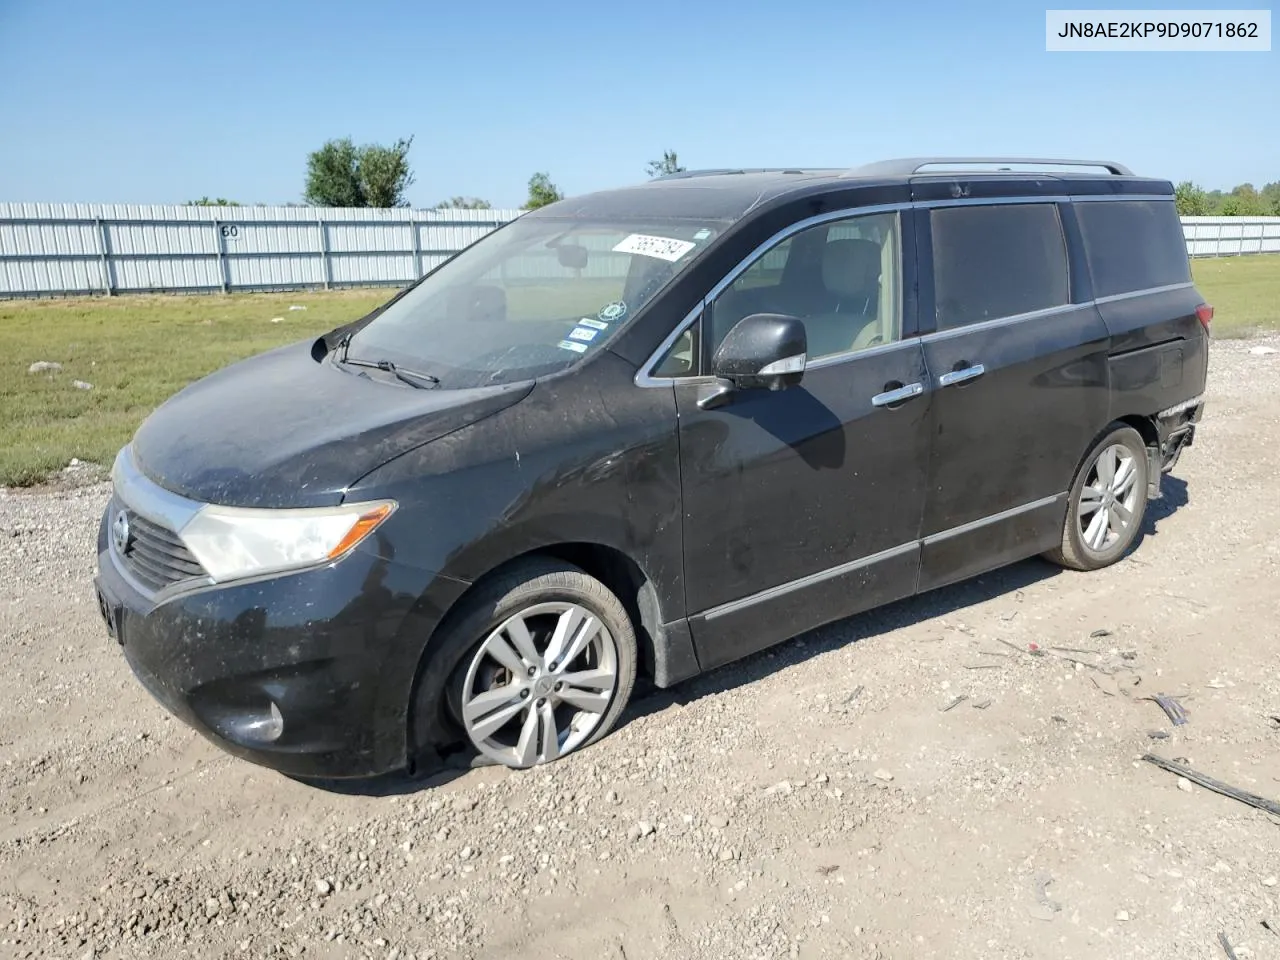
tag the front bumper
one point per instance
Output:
(309, 673)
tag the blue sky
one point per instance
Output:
(167, 100)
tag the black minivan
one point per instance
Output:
(650, 431)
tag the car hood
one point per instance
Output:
(284, 429)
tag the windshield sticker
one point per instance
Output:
(582, 333)
(614, 311)
(572, 345)
(593, 324)
(663, 248)
(702, 234)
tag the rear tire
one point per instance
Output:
(1106, 503)
(537, 664)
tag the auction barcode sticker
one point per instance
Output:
(664, 248)
(1152, 31)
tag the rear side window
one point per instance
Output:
(997, 261)
(1133, 245)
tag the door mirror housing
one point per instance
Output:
(762, 351)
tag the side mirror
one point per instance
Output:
(762, 351)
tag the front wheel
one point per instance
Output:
(543, 663)
(1106, 504)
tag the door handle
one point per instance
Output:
(890, 397)
(963, 375)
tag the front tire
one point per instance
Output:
(1106, 504)
(540, 663)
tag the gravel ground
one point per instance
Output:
(824, 799)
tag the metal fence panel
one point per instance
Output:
(58, 249)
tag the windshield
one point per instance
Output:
(530, 299)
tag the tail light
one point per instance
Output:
(1204, 313)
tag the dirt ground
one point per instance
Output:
(824, 799)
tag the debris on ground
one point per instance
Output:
(1226, 945)
(956, 702)
(297, 307)
(1217, 786)
(44, 366)
(1158, 734)
(1101, 632)
(981, 704)
(1044, 908)
(1172, 708)
(81, 385)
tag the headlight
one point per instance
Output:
(233, 542)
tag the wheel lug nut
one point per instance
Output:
(559, 686)
(554, 666)
(542, 701)
(524, 694)
(533, 671)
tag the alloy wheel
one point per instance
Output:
(539, 684)
(1108, 499)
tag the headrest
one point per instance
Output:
(851, 268)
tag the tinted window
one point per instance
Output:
(1133, 245)
(997, 261)
(841, 278)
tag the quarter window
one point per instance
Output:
(1133, 245)
(997, 261)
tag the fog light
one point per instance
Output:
(251, 726)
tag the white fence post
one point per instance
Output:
(108, 285)
(326, 266)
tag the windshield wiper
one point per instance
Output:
(412, 377)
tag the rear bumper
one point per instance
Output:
(1176, 427)
(309, 673)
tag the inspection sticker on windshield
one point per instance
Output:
(593, 324)
(572, 345)
(664, 248)
(582, 333)
(613, 311)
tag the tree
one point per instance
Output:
(340, 174)
(1191, 200)
(542, 191)
(1243, 201)
(1271, 198)
(333, 175)
(385, 174)
(463, 203)
(206, 202)
(668, 164)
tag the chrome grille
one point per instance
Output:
(156, 555)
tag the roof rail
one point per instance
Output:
(720, 171)
(912, 165)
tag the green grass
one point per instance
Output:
(1244, 291)
(136, 351)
